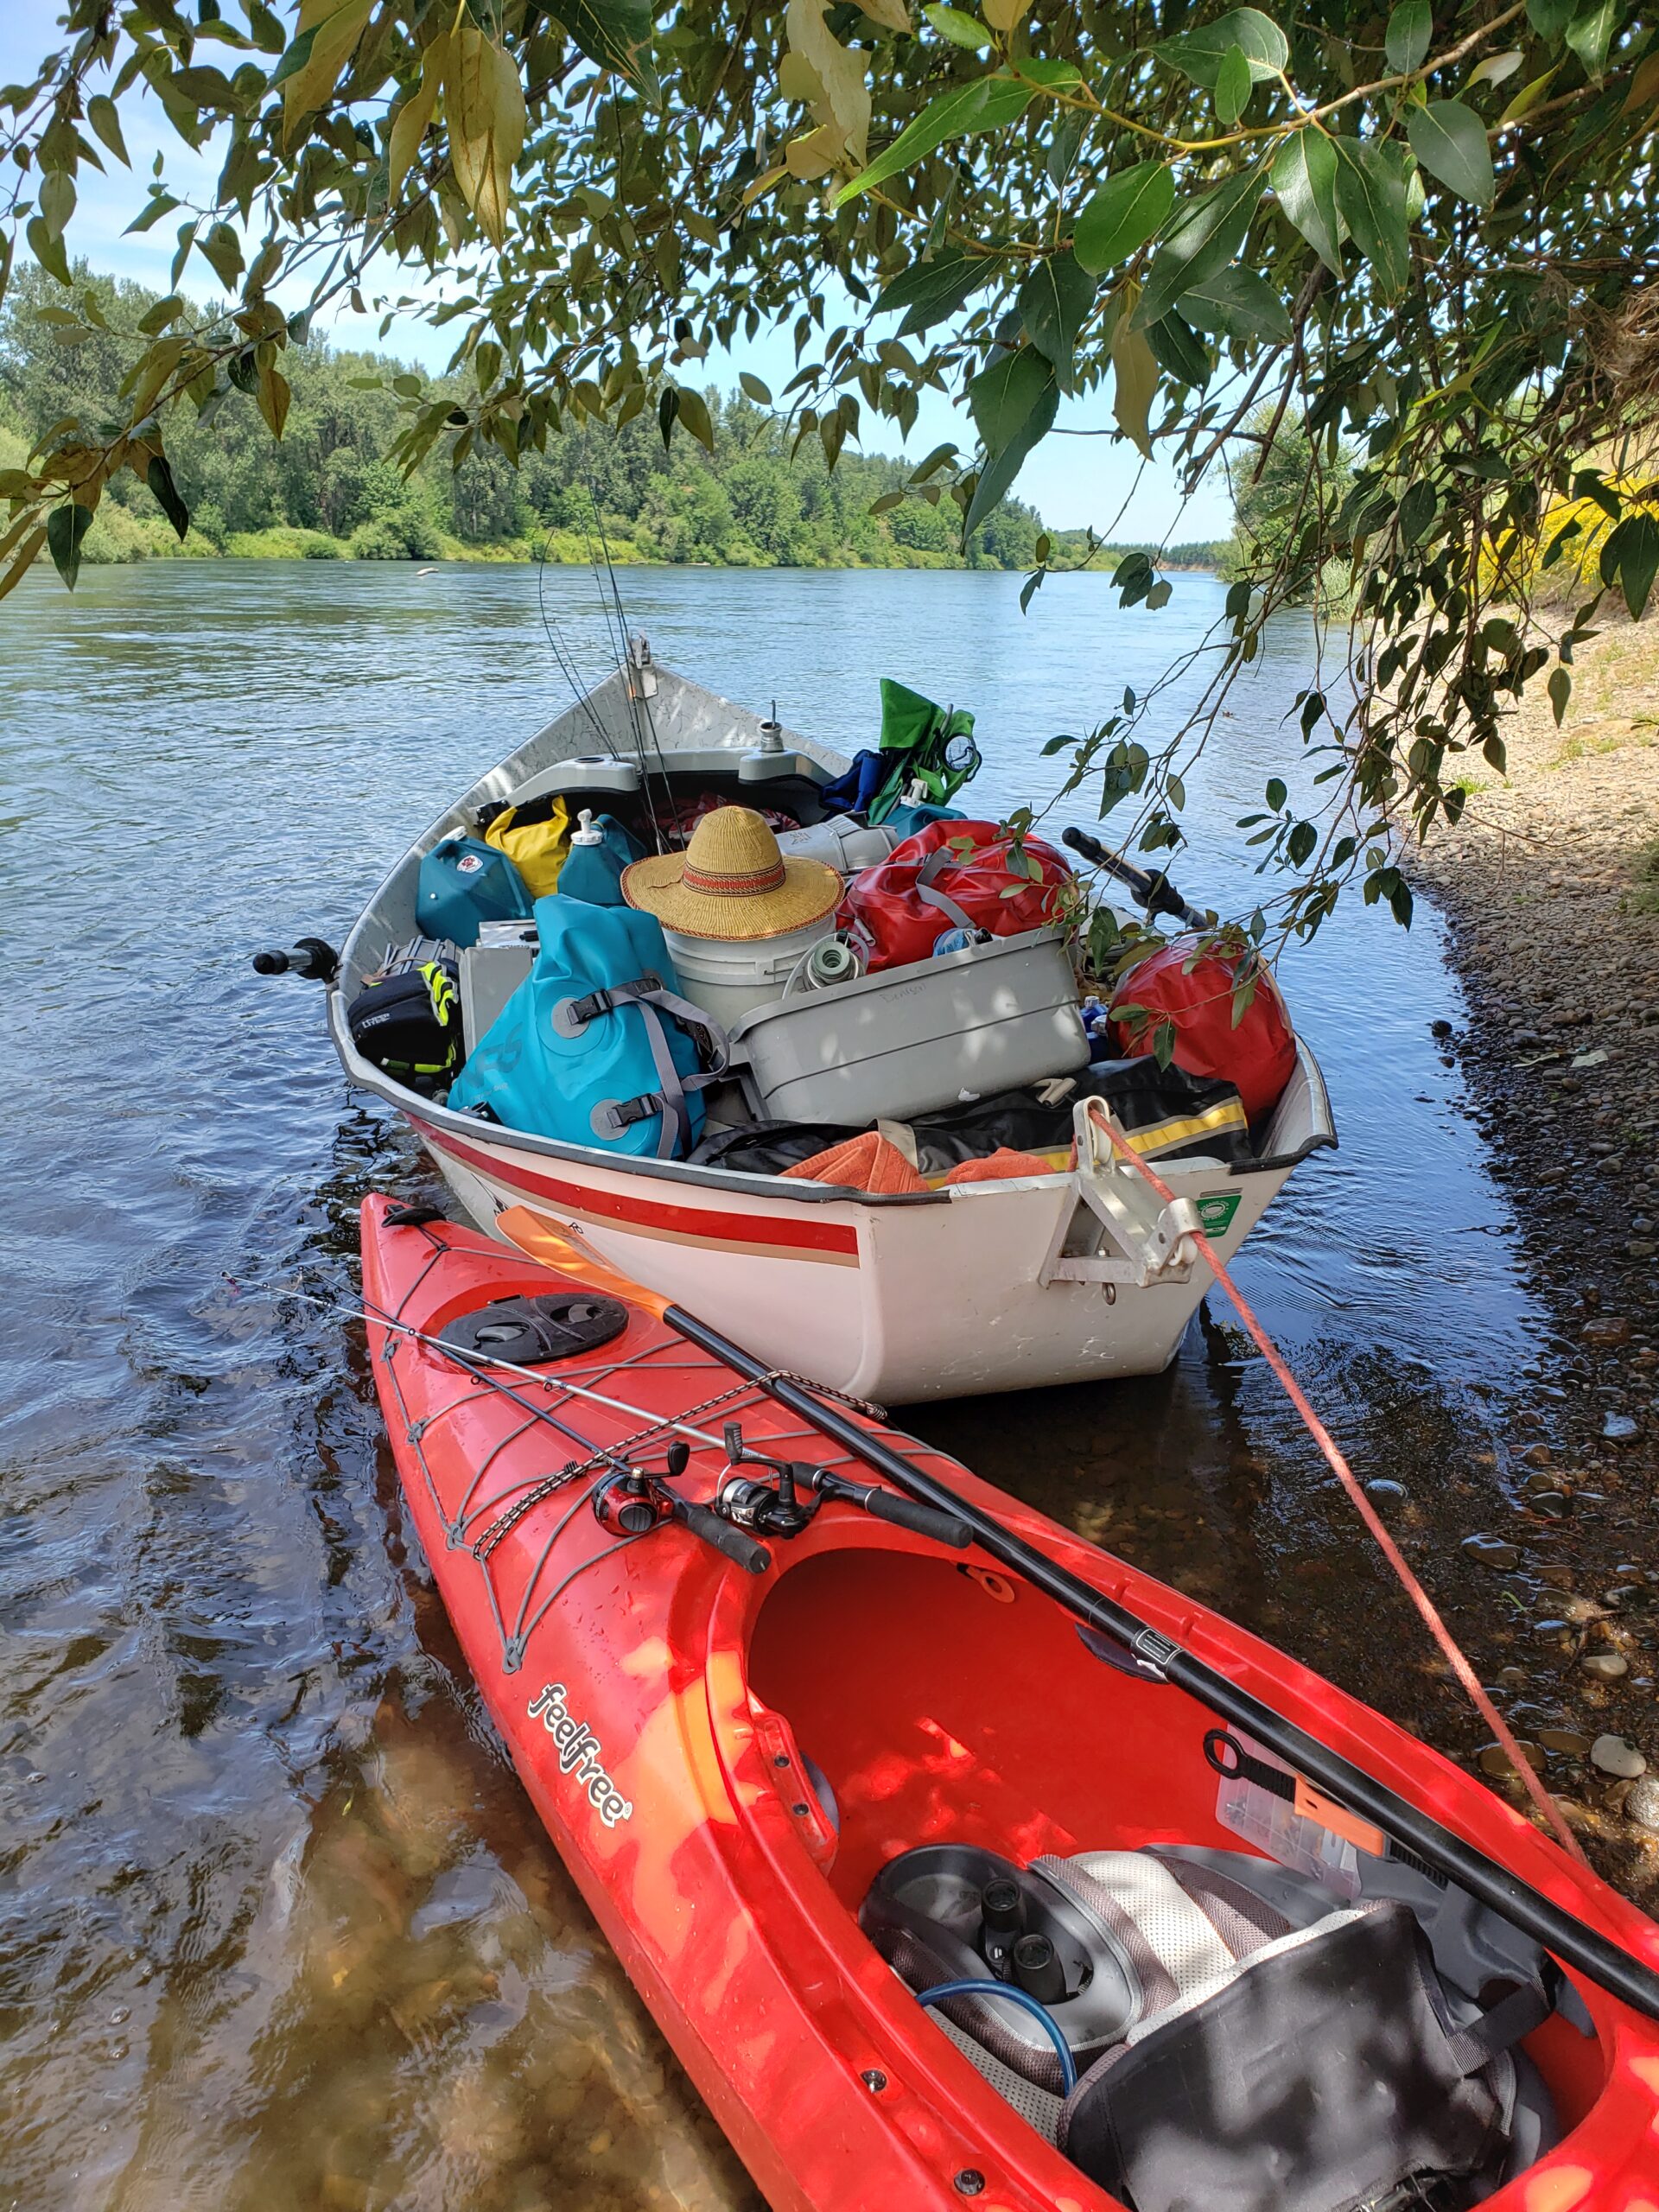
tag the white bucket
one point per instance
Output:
(844, 842)
(730, 980)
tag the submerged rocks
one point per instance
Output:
(1565, 1743)
(1642, 1803)
(1492, 1551)
(1605, 1666)
(1496, 1764)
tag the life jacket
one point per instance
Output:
(408, 1020)
(951, 875)
(597, 1045)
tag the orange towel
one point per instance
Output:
(1001, 1165)
(866, 1163)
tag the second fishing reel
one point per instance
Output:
(777, 1504)
(783, 1502)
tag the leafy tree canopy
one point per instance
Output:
(1425, 231)
(327, 486)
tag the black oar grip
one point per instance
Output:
(1154, 891)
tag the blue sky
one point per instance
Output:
(1074, 480)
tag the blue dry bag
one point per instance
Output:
(593, 866)
(595, 1046)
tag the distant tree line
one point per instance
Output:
(327, 489)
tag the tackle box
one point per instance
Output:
(961, 1025)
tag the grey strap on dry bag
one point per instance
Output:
(611, 1115)
(940, 858)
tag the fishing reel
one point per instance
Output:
(631, 1502)
(784, 1503)
(780, 1506)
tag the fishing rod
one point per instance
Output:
(1606, 1963)
(711, 1523)
(637, 703)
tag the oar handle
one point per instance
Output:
(1607, 1964)
(1156, 894)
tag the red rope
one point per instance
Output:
(1368, 1513)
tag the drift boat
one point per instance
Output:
(1062, 1276)
(918, 1822)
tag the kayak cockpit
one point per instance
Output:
(973, 1746)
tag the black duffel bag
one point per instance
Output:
(1326, 2074)
(1171, 1115)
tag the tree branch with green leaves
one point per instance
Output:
(1421, 235)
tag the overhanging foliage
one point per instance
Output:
(1421, 235)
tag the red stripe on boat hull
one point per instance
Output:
(835, 1241)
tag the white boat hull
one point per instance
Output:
(897, 1303)
(963, 1290)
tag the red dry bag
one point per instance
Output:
(950, 875)
(1257, 1057)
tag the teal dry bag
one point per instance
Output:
(463, 882)
(596, 1044)
(598, 852)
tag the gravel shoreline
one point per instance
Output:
(1550, 889)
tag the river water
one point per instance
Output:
(277, 1928)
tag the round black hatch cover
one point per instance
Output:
(530, 1331)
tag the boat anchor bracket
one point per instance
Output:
(1145, 1241)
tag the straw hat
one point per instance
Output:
(732, 882)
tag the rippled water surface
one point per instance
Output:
(277, 1928)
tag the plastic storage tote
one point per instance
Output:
(490, 971)
(908, 1040)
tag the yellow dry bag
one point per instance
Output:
(536, 838)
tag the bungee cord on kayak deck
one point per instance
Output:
(1368, 1513)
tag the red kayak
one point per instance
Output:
(940, 1893)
